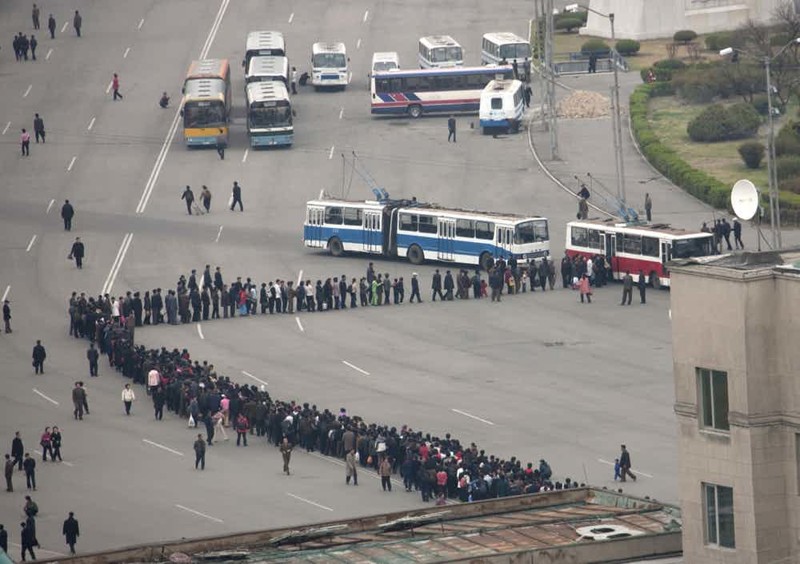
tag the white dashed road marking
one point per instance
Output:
(71, 164)
(356, 368)
(27, 91)
(5, 129)
(259, 380)
(308, 501)
(30, 245)
(366, 15)
(162, 447)
(244, 157)
(64, 27)
(41, 395)
(219, 234)
(299, 325)
(465, 414)
(330, 155)
(125, 55)
(49, 52)
(209, 517)
(141, 23)
(50, 206)
(291, 17)
(5, 294)
(91, 124)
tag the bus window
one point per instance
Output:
(650, 247)
(408, 222)
(333, 216)
(579, 237)
(536, 231)
(594, 239)
(484, 230)
(352, 216)
(631, 244)
(465, 228)
(497, 103)
(695, 247)
(427, 224)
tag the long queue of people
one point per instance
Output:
(438, 467)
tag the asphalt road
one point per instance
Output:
(537, 376)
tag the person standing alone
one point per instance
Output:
(114, 85)
(25, 143)
(35, 16)
(641, 282)
(71, 531)
(237, 196)
(67, 213)
(451, 129)
(128, 397)
(38, 355)
(77, 22)
(294, 80)
(38, 127)
(648, 207)
(286, 452)
(78, 251)
(7, 316)
(200, 453)
(93, 355)
(627, 288)
(51, 25)
(205, 198)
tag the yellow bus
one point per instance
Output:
(206, 106)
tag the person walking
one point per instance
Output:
(51, 25)
(115, 86)
(350, 469)
(737, 233)
(27, 540)
(188, 195)
(286, 452)
(17, 450)
(78, 397)
(451, 129)
(35, 16)
(29, 465)
(34, 44)
(625, 464)
(46, 442)
(77, 23)
(200, 452)
(9, 473)
(648, 207)
(585, 288)
(71, 531)
(93, 356)
(67, 212)
(38, 127)
(627, 288)
(205, 198)
(294, 80)
(128, 397)
(641, 282)
(78, 252)
(237, 196)
(25, 142)
(415, 288)
(38, 355)
(385, 472)
(7, 316)
(55, 443)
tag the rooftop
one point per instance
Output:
(743, 264)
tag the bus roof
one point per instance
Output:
(265, 40)
(266, 92)
(385, 56)
(328, 48)
(456, 71)
(439, 41)
(504, 38)
(503, 86)
(204, 88)
(268, 65)
(652, 229)
(208, 68)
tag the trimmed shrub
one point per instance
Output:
(674, 64)
(684, 36)
(752, 154)
(595, 46)
(720, 123)
(723, 39)
(568, 24)
(787, 141)
(662, 89)
(627, 47)
(790, 185)
(663, 70)
(700, 84)
(787, 166)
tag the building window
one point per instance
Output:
(713, 390)
(718, 505)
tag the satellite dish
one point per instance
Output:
(744, 199)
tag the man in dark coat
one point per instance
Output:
(448, 286)
(188, 195)
(71, 531)
(67, 213)
(136, 306)
(17, 450)
(7, 316)
(38, 355)
(625, 464)
(93, 356)
(3, 539)
(641, 283)
(78, 251)
(156, 303)
(27, 540)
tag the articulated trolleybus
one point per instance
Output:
(632, 247)
(423, 232)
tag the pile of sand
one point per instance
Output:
(584, 104)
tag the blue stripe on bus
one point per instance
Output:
(506, 71)
(356, 235)
(427, 107)
(201, 141)
(271, 140)
(495, 123)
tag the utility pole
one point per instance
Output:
(551, 79)
(540, 22)
(617, 117)
(774, 195)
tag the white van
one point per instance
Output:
(385, 61)
(329, 66)
(502, 106)
(439, 51)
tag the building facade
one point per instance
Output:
(736, 350)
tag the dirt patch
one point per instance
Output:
(584, 104)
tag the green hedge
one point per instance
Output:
(696, 182)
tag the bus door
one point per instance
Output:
(447, 233)
(505, 237)
(666, 256)
(372, 231)
(611, 251)
(316, 217)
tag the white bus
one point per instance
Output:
(329, 66)
(437, 51)
(502, 106)
(267, 69)
(263, 43)
(508, 47)
(269, 114)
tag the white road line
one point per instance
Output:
(141, 23)
(49, 52)
(464, 413)
(108, 88)
(200, 332)
(244, 157)
(50, 206)
(299, 325)
(219, 234)
(609, 463)
(259, 380)
(299, 277)
(41, 395)
(162, 155)
(349, 77)
(5, 294)
(27, 91)
(5, 129)
(30, 245)
(209, 517)
(330, 155)
(125, 54)
(358, 43)
(162, 447)
(308, 501)
(341, 113)
(91, 124)
(64, 27)
(356, 368)
(366, 15)
(291, 17)
(115, 266)
(71, 164)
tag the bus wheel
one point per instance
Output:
(655, 281)
(415, 255)
(486, 261)
(415, 111)
(335, 247)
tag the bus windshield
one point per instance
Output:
(204, 114)
(275, 116)
(381, 66)
(531, 232)
(515, 51)
(695, 247)
(329, 60)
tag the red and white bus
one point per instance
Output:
(633, 247)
